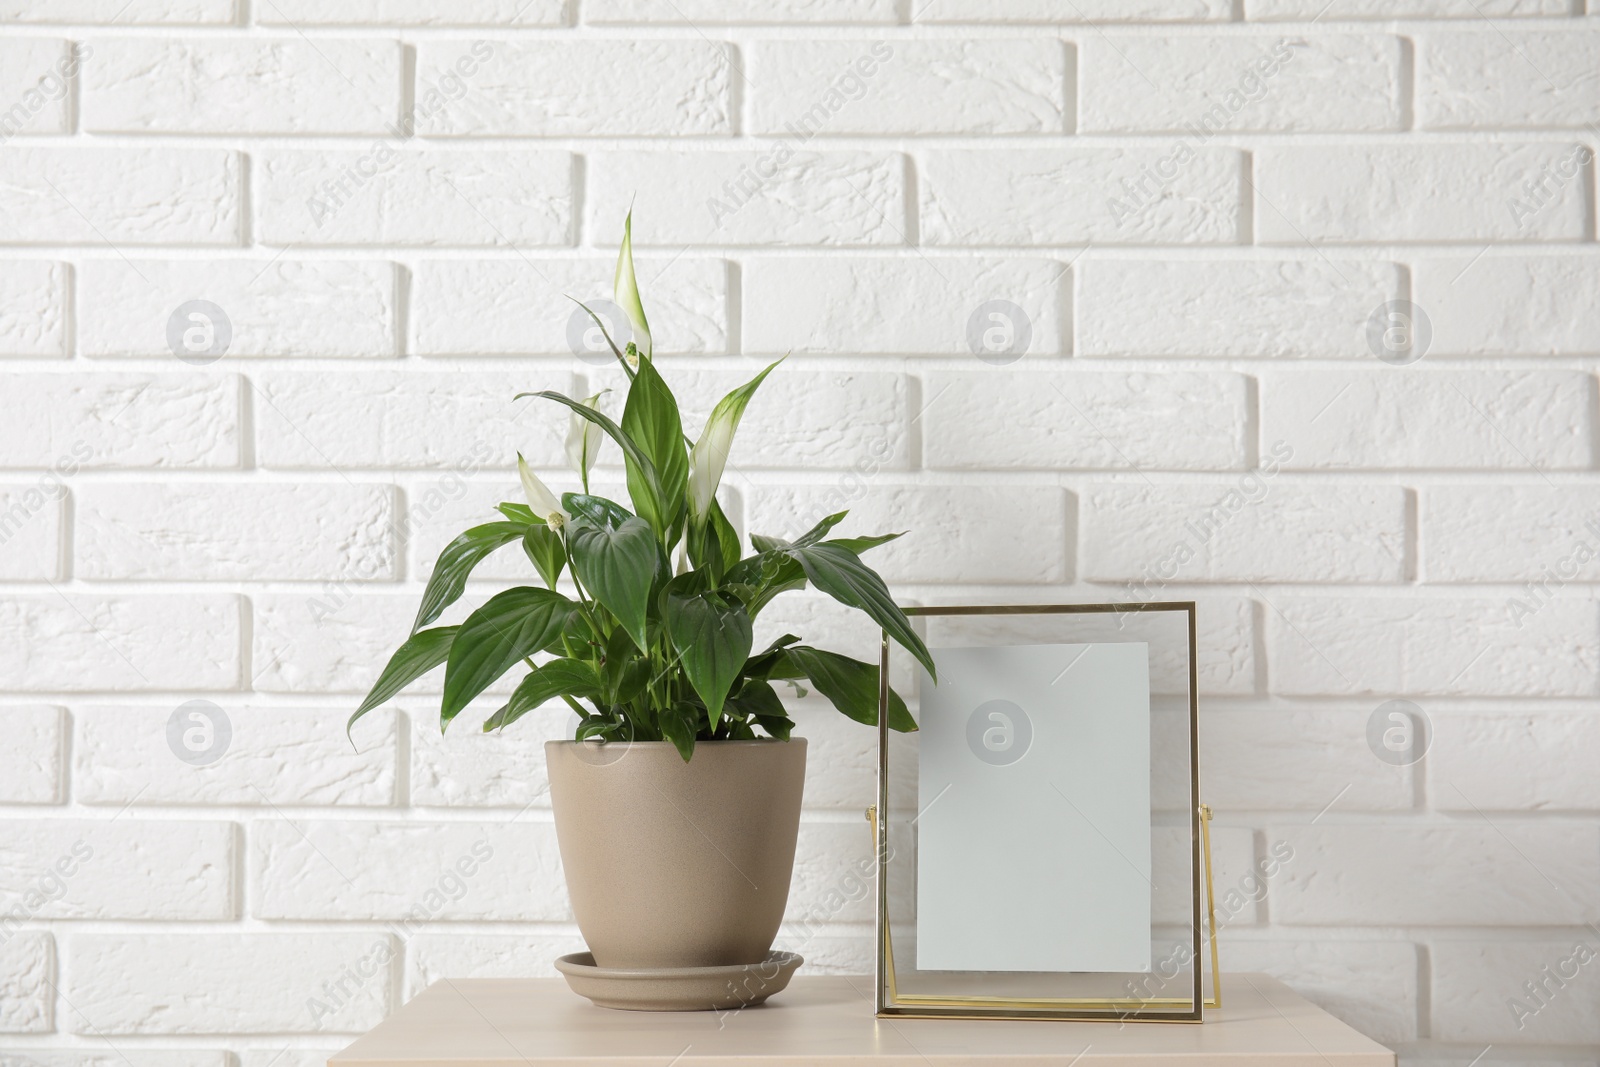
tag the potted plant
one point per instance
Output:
(677, 802)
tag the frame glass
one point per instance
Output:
(1044, 865)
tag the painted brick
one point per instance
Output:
(34, 299)
(1501, 761)
(1480, 990)
(77, 642)
(1342, 194)
(285, 85)
(1023, 537)
(803, 419)
(833, 875)
(1372, 985)
(1305, 759)
(30, 532)
(810, 88)
(62, 423)
(1390, 9)
(690, 12)
(279, 983)
(1250, 529)
(126, 869)
(441, 419)
(1511, 305)
(413, 872)
(97, 1055)
(414, 13)
(1079, 11)
(514, 307)
(438, 515)
(275, 756)
(34, 77)
(27, 977)
(611, 88)
(167, 12)
(881, 305)
(1431, 875)
(465, 197)
(775, 196)
(1109, 196)
(1516, 80)
(1202, 85)
(329, 639)
(213, 532)
(1278, 308)
(435, 957)
(31, 764)
(121, 196)
(275, 308)
(1534, 533)
(1407, 645)
(468, 768)
(1050, 421)
(1398, 418)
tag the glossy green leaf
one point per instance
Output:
(597, 509)
(839, 572)
(859, 545)
(618, 567)
(455, 563)
(420, 653)
(510, 627)
(850, 685)
(517, 512)
(559, 677)
(545, 551)
(712, 638)
(680, 724)
(651, 418)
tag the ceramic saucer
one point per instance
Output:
(678, 988)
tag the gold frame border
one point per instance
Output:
(890, 1004)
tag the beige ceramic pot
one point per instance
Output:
(674, 864)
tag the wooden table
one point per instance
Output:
(538, 1022)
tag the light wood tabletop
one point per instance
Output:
(539, 1022)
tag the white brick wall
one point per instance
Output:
(1194, 212)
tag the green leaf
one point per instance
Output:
(625, 290)
(576, 632)
(455, 563)
(511, 626)
(757, 697)
(679, 724)
(545, 550)
(631, 451)
(839, 572)
(420, 653)
(859, 545)
(518, 513)
(761, 664)
(820, 530)
(651, 418)
(618, 567)
(714, 546)
(713, 641)
(852, 686)
(559, 677)
(597, 509)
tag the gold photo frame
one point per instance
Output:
(1173, 989)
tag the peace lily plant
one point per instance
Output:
(652, 639)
